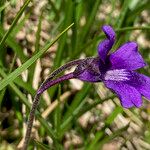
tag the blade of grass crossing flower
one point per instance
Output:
(7, 80)
(119, 30)
(14, 23)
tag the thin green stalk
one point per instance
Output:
(57, 114)
(11, 42)
(16, 90)
(90, 20)
(108, 122)
(14, 23)
(133, 28)
(24, 100)
(2, 93)
(2, 10)
(62, 42)
(111, 137)
(67, 20)
(7, 80)
(54, 8)
(20, 25)
(123, 13)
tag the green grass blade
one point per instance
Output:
(14, 45)
(107, 139)
(4, 6)
(42, 146)
(90, 21)
(14, 23)
(67, 20)
(108, 122)
(7, 80)
(57, 113)
(44, 123)
(20, 25)
(16, 90)
(24, 100)
(77, 100)
(123, 13)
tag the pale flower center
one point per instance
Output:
(117, 75)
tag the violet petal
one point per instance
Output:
(127, 57)
(128, 95)
(105, 46)
(110, 33)
(141, 83)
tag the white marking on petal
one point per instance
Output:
(117, 75)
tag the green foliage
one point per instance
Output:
(73, 30)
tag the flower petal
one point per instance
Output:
(88, 70)
(128, 95)
(110, 33)
(141, 83)
(103, 48)
(127, 57)
(106, 45)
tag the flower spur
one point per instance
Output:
(116, 70)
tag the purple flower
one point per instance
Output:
(117, 70)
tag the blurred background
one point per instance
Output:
(73, 114)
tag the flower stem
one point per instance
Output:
(53, 82)
(45, 85)
(35, 104)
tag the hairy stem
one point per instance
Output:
(45, 85)
(35, 104)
